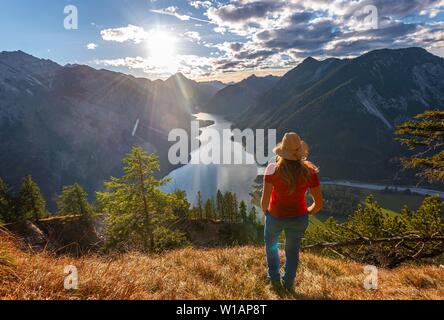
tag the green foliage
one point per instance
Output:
(427, 219)
(181, 206)
(137, 211)
(370, 221)
(339, 201)
(209, 209)
(425, 135)
(31, 204)
(199, 205)
(226, 208)
(241, 226)
(74, 201)
(166, 239)
(252, 215)
(230, 211)
(6, 203)
(243, 211)
(219, 204)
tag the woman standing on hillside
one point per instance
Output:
(283, 202)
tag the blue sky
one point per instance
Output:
(214, 39)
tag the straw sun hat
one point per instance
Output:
(292, 147)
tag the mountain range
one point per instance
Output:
(73, 123)
(67, 124)
(347, 110)
(236, 98)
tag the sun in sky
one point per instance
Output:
(162, 49)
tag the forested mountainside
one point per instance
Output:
(347, 110)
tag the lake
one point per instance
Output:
(209, 178)
(239, 178)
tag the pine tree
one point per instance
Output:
(252, 215)
(213, 204)
(370, 222)
(199, 205)
(235, 209)
(181, 207)
(136, 209)
(243, 211)
(425, 135)
(427, 220)
(209, 209)
(31, 204)
(220, 204)
(74, 201)
(227, 207)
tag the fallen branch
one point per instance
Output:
(366, 241)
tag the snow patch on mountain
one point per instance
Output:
(368, 98)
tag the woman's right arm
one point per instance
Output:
(317, 200)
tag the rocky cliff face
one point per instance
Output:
(61, 235)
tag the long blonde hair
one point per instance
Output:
(291, 170)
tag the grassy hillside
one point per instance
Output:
(231, 273)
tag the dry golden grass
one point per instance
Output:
(232, 273)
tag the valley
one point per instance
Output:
(57, 122)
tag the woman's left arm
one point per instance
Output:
(317, 200)
(266, 194)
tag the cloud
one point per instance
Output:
(244, 17)
(293, 29)
(261, 34)
(173, 11)
(129, 33)
(200, 4)
(190, 65)
(192, 35)
(132, 63)
(91, 46)
(245, 10)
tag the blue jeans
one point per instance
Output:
(294, 231)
